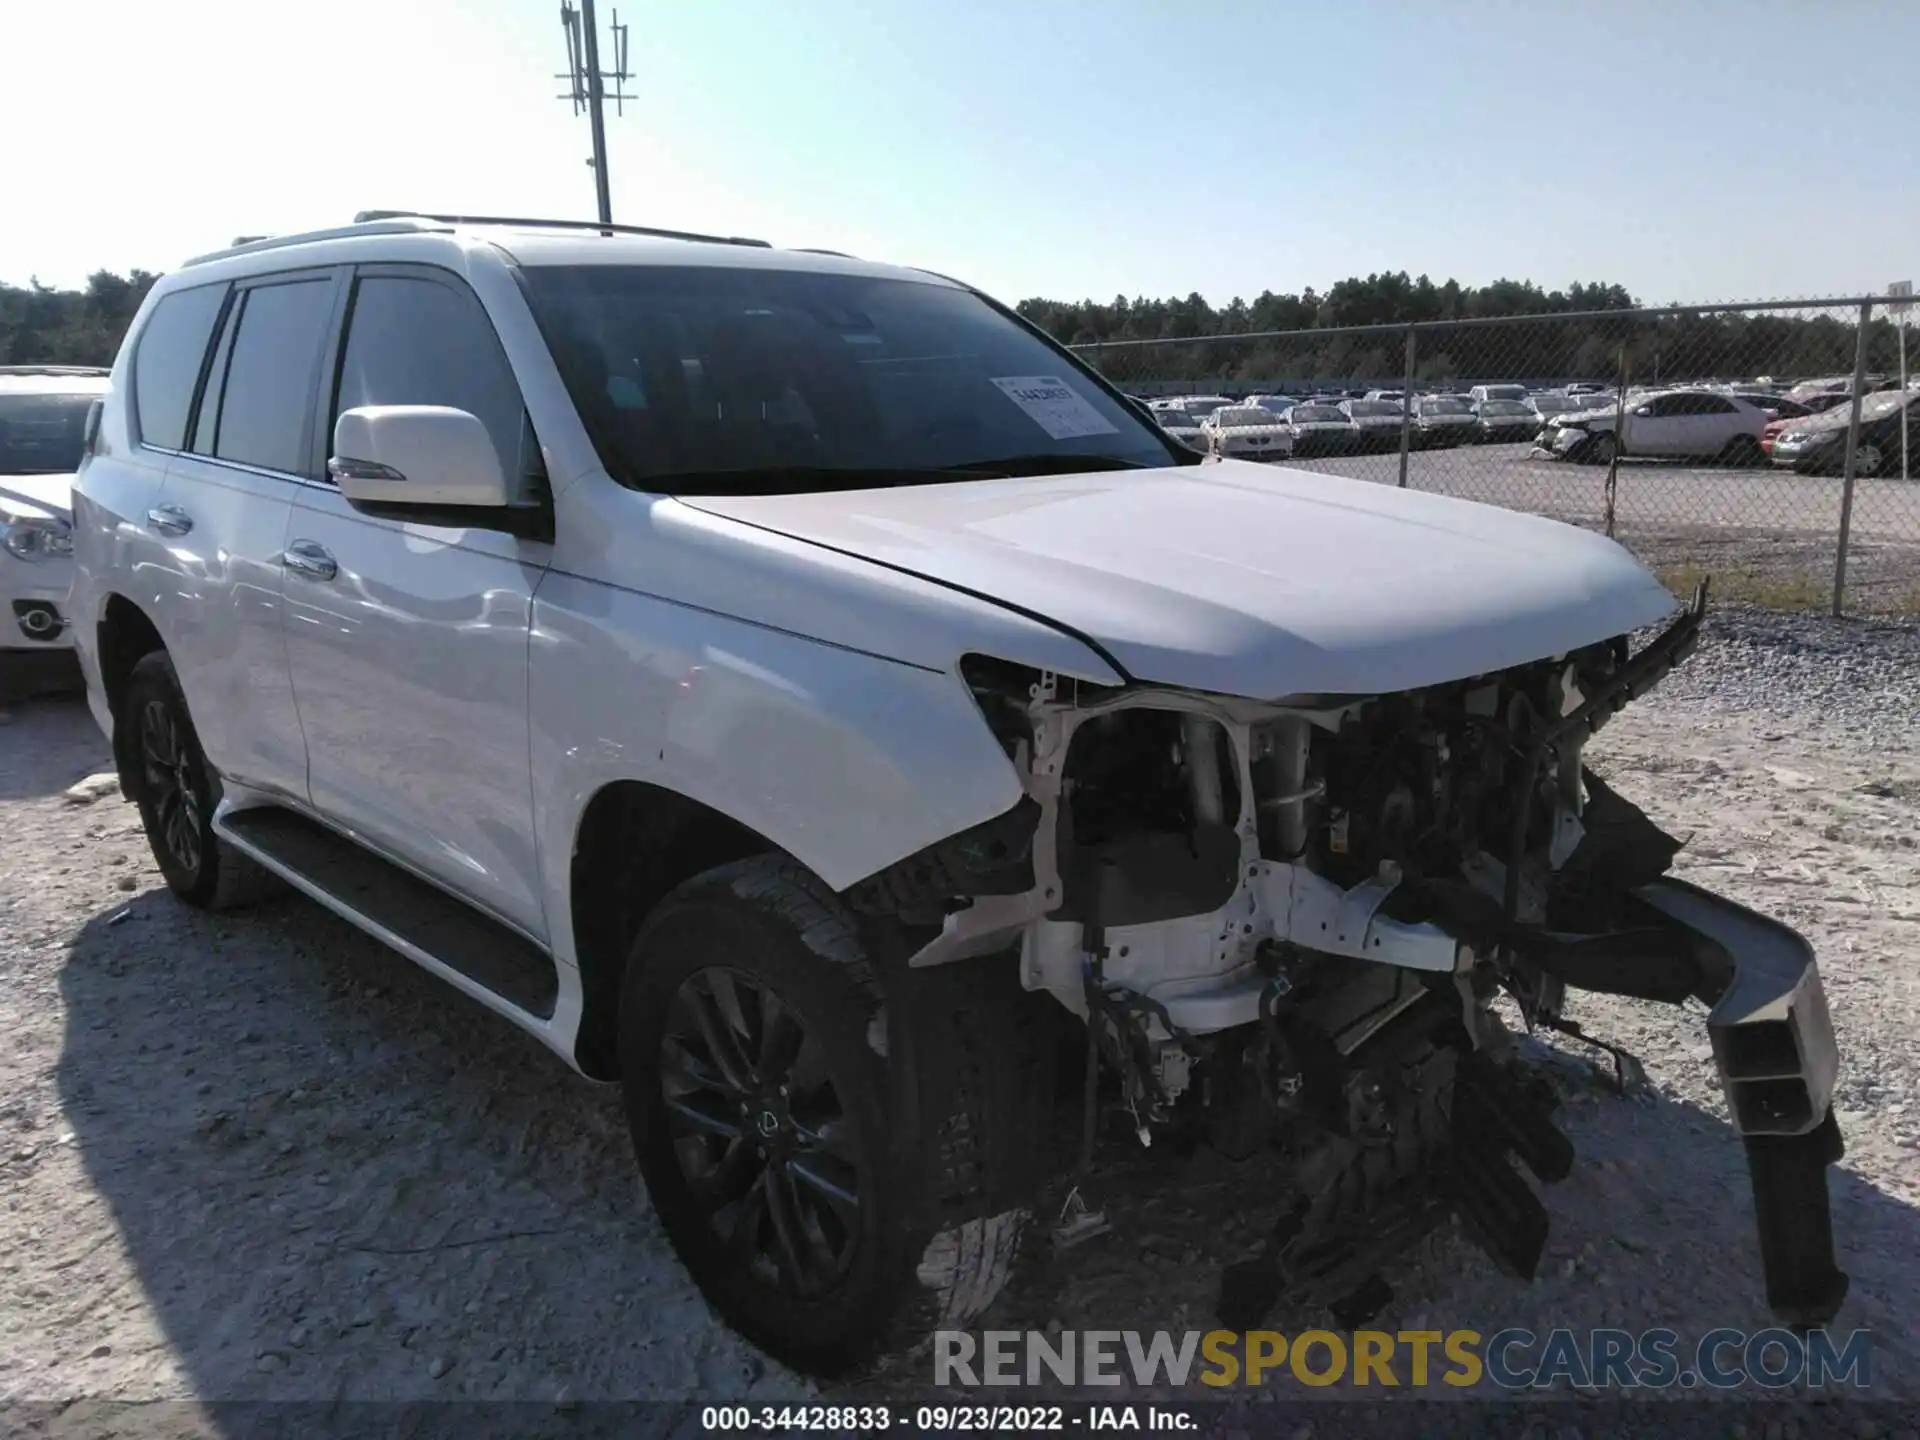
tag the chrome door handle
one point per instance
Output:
(169, 520)
(309, 558)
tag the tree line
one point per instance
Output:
(41, 325)
(1541, 347)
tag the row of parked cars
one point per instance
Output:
(1748, 423)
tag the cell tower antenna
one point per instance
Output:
(587, 85)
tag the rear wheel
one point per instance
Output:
(177, 790)
(757, 1099)
(1742, 452)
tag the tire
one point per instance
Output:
(1742, 453)
(758, 1103)
(1601, 450)
(177, 791)
(1868, 459)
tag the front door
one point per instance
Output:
(407, 643)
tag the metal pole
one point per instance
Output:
(1846, 473)
(1612, 489)
(595, 111)
(1903, 397)
(1406, 408)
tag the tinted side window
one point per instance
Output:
(419, 342)
(166, 366)
(1712, 405)
(270, 374)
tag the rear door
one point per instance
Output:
(221, 518)
(408, 642)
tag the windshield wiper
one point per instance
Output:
(794, 479)
(1046, 463)
(813, 479)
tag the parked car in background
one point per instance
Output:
(1275, 404)
(1377, 423)
(43, 428)
(1182, 427)
(1817, 444)
(1498, 420)
(1443, 420)
(1480, 394)
(1319, 428)
(1546, 404)
(1678, 424)
(1779, 407)
(1198, 406)
(1247, 432)
(1399, 395)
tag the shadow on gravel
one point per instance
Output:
(51, 742)
(339, 1180)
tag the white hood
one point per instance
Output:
(37, 494)
(1247, 579)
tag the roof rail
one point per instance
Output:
(394, 225)
(54, 370)
(536, 224)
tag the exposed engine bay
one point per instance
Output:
(1285, 925)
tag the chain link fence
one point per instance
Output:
(1767, 445)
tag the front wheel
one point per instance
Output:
(1602, 449)
(756, 1093)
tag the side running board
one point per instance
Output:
(420, 920)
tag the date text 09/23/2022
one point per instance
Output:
(944, 1418)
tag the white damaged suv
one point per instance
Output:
(798, 690)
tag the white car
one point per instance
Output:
(789, 687)
(43, 422)
(1247, 432)
(1480, 394)
(1196, 407)
(1182, 427)
(1675, 424)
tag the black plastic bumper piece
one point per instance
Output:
(1804, 1286)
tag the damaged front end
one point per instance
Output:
(1285, 924)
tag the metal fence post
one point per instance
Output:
(1846, 473)
(1612, 486)
(1406, 409)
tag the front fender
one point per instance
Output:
(845, 760)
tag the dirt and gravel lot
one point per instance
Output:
(260, 1157)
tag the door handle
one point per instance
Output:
(169, 520)
(309, 558)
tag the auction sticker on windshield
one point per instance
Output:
(1056, 407)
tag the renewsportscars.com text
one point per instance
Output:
(1511, 1358)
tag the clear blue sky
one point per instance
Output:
(1690, 150)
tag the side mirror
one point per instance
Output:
(416, 455)
(1643, 410)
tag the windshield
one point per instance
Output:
(42, 434)
(1171, 418)
(1374, 407)
(704, 379)
(1504, 392)
(1316, 412)
(1445, 406)
(1242, 415)
(1503, 407)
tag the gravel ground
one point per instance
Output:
(1768, 535)
(260, 1157)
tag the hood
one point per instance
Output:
(1247, 579)
(37, 494)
